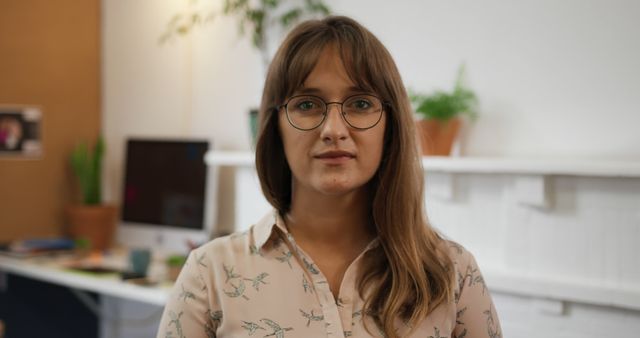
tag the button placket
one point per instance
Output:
(346, 308)
(330, 310)
(332, 317)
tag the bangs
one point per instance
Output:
(304, 55)
(357, 65)
(356, 54)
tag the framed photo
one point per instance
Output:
(20, 131)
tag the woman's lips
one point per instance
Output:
(335, 157)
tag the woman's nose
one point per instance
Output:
(334, 126)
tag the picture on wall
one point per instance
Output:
(20, 131)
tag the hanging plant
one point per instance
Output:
(255, 18)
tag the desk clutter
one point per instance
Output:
(136, 265)
(37, 247)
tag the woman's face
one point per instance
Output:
(334, 158)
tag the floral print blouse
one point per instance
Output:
(252, 284)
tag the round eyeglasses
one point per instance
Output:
(307, 112)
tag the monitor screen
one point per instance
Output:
(165, 183)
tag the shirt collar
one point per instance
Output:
(264, 229)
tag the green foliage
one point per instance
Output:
(82, 244)
(87, 166)
(442, 105)
(254, 17)
(176, 260)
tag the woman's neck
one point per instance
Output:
(330, 220)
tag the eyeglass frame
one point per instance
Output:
(383, 105)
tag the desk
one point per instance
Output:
(122, 306)
(48, 269)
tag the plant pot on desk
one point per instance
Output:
(437, 136)
(94, 223)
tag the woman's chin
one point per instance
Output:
(335, 186)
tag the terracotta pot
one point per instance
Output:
(436, 137)
(173, 272)
(95, 223)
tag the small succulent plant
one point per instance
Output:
(87, 166)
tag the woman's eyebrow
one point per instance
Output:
(313, 90)
(307, 90)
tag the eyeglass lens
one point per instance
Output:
(359, 111)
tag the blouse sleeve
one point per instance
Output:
(188, 312)
(476, 315)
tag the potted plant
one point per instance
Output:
(441, 114)
(90, 221)
(174, 266)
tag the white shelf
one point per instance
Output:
(480, 165)
(497, 165)
(230, 158)
(563, 289)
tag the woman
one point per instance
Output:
(347, 251)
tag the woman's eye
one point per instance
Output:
(306, 105)
(362, 104)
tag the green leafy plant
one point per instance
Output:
(254, 18)
(443, 105)
(257, 16)
(87, 166)
(176, 260)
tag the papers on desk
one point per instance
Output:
(37, 247)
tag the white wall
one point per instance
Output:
(555, 78)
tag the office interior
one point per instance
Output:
(543, 187)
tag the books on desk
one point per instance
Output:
(37, 247)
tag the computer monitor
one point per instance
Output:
(166, 194)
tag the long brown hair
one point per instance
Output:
(409, 274)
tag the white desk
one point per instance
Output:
(48, 269)
(124, 310)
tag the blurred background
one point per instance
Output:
(549, 203)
